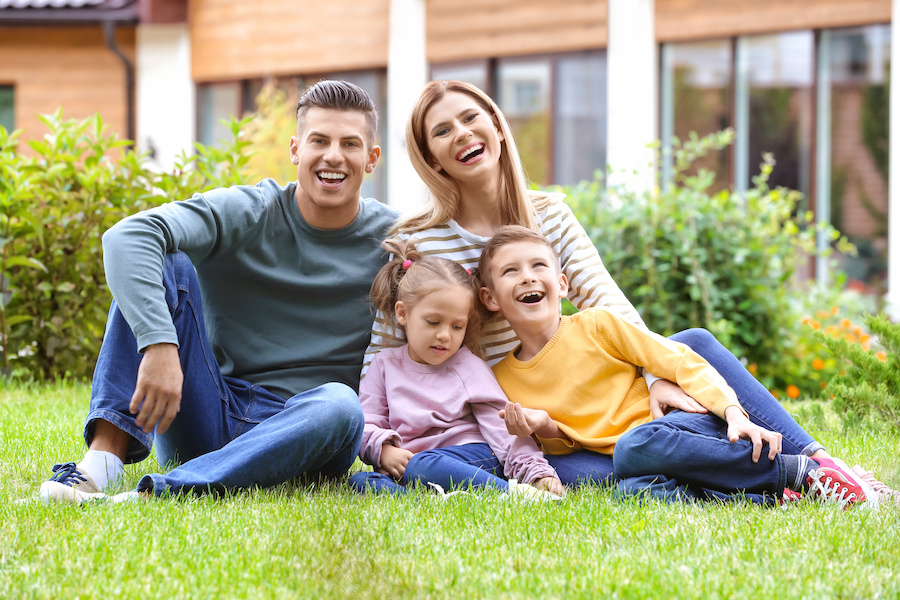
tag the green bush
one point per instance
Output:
(54, 207)
(724, 261)
(869, 383)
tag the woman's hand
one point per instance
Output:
(665, 396)
(393, 460)
(740, 427)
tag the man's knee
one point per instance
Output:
(343, 411)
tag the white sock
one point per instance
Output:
(105, 468)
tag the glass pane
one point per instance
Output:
(524, 97)
(859, 67)
(474, 73)
(580, 123)
(7, 104)
(701, 73)
(780, 77)
(217, 101)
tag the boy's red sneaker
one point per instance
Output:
(833, 481)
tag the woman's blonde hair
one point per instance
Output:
(518, 205)
(411, 276)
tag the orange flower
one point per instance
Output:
(834, 311)
(864, 337)
(806, 320)
(752, 368)
(818, 364)
(822, 314)
(774, 393)
(845, 323)
(880, 355)
(793, 391)
(823, 384)
(815, 325)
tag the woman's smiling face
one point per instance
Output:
(462, 138)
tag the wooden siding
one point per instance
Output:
(72, 67)
(467, 29)
(236, 39)
(678, 20)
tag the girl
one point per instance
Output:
(462, 147)
(431, 405)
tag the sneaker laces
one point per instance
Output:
(881, 488)
(67, 474)
(838, 492)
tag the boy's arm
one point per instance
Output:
(676, 362)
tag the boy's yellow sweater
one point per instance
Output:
(587, 379)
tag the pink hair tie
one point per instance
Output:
(468, 271)
(407, 264)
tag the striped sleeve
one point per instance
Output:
(590, 284)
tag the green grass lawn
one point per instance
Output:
(325, 542)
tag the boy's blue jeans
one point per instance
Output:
(687, 456)
(229, 434)
(453, 467)
(592, 468)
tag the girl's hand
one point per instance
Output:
(665, 395)
(522, 422)
(551, 484)
(740, 427)
(393, 460)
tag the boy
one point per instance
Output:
(574, 383)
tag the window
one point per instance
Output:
(858, 63)
(7, 105)
(217, 101)
(696, 92)
(523, 94)
(777, 72)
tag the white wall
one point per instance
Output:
(165, 93)
(632, 92)
(893, 309)
(407, 75)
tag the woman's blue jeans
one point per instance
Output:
(687, 456)
(453, 467)
(591, 468)
(229, 434)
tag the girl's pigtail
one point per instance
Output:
(384, 292)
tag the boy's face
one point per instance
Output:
(526, 284)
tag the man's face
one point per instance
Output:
(331, 156)
(526, 284)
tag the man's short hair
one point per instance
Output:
(508, 234)
(339, 95)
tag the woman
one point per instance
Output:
(463, 149)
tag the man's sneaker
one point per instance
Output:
(833, 481)
(524, 491)
(885, 494)
(69, 484)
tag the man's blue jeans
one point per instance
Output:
(591, 468)
(687, 456)
(453, 467)
(229, 434)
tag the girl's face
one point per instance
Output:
(462, 138)
(436, 324)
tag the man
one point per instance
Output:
(255, 384)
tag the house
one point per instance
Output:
(584, 82)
